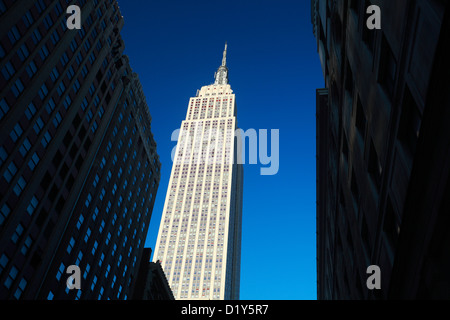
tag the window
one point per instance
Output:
(50, 106)
(102, 257)
(76, 86)
(87, 45)
(4, 108)
(13, 35)
(28, 19)
(32, 206)
(17, 233)
(58, 9)
(89, 116)
(61, 88)
(102, 226)
(4, 213)
(67, 102)
(92, 58)
(80, 221)
(92, 89)
(46, 139)
(48, 22)
(55, 37)
(36, 36)
(16, 132)
(63, 25)
(64, 59)
(80, 256)
(57, 120)
(96, 180)
(94, 248)
(86, 271)
(17, 88)
(101, 293)
(84, 104)
(3, 262)
(61, 270)
(26, 246)
(33, 161)
(43, 91)
(70, 73)
(102, 194)
(10, 172)
(44, 52)
(84, 71)
(38, 125)
(54, 74)
(11, 277)
(94, 216)
(20, 186)
(94, 281)
(73, 45)
(71, 245)
(108, 207)
(30, 111)
(96, 101)
(23, 52)
(88, 234)
(79, 58)
(8, 71)
(40, 5)
(31, 69)
(88, 200)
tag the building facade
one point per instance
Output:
(199, 240)
(383, 149)
(151, 282)
(79, 169)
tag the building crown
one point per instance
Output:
(221, 74)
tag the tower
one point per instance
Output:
(78, 164)
(199, 240)
(383, 183)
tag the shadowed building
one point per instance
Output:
(78, 164)
(151, 282)
(383, 151)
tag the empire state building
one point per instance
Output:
(199, 239)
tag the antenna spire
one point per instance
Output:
(224, 60)
(221, 75)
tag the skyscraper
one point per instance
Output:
(78, 164)
(383, 183)
(199, 240)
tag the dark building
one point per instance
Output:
(78, 164)
(151, 281)
(383, 151)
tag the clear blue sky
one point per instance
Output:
(176, 46)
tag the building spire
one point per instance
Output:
(221, 75)
(224, 60)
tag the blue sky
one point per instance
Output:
(176, 46)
